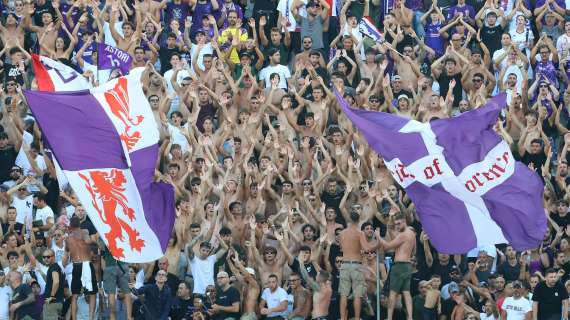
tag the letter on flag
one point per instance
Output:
(55, 76)
(106, 142)
(109, 57)
(467, 188)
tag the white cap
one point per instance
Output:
(250, 271)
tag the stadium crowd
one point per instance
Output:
(282, 210)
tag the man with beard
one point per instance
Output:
(550, 299)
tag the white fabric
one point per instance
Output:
(283, 72)
(101, 75)
(5, 297)
(63, 78)
(486, 229)
(563, 46)
(44, 214)
(23, 207)
(273, 299)
(178, 138)
(179, 77)
(287, 12)
(206, 49)
(203, 273)
(109, 36)
(516, 309)
(86, 276)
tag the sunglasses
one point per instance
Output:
(543, 86)
(45, 257)
(477, 80)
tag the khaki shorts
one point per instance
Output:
(52, 311)
(400, 277)
(249, 316)
(352, 277)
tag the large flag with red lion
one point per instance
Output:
(106, 141)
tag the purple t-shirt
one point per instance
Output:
(540, 3)
(546, 69)
(201, 10)
(178, 12)
(467, 10)
(433, 38)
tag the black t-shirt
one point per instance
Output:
(7, 159)
(538, 160)
(40, 9)
(88, 225)
(227, 299)
(444, 80)
(164, 55)
(18, 227)
(181, 309)
(441, 270)
(310, 267)
(549, 299)
(12, 72)
(491, 36)
(49, 282)
(20, 294)
(510, 273)
(562, 222)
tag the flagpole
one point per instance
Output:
(97, 63)
(377, 286)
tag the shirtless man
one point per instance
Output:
(250, 292)
(432, 303)
(77, 248)
(50, 28)
(353, 242)
(132, 35)
(322, 293)
(301, 298)
(400, 274)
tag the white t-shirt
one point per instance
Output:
(109, 36)
(516, 309)
(179, 77)
(283, 71)
(101, 75)
(44, 214)
(59, 252)
(203, 273)
(563, 46)
(206, 49)
(288, 13)
(23, 207)
(178, 138)
(5, 297)
(274, 299)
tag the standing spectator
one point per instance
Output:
(516, 307)
(157, 297)
(550, 299)
(202, 265)
(55, 282)
(5, 295)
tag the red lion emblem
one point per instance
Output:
(118, 100)
(108, 187)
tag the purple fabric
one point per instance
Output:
(379, 127)
(157, 198)
(110, 57)
(77, 129)
(514, 205)
(462, 149)
(449, 230)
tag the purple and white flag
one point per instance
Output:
(109, 57)
(467, 188)
(368, 29)
(106, 141)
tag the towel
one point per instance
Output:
(86, 276)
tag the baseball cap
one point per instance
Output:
(396, 78)
(250, 271)
(222, 274)
(403, 96)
